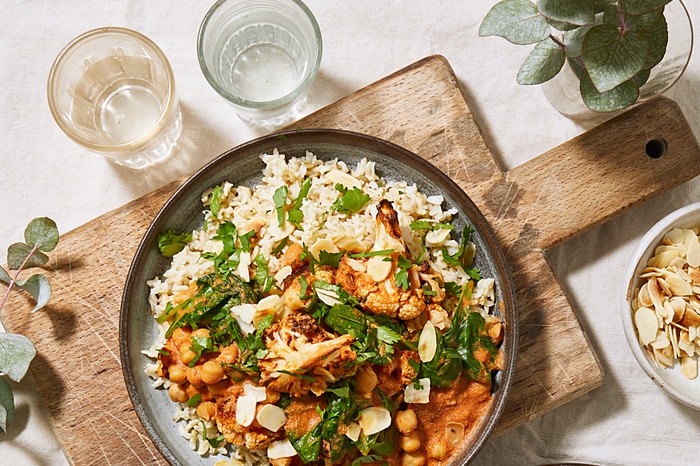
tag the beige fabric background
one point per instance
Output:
(42, 173)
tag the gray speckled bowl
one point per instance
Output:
(242, 166)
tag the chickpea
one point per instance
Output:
(212, 372)
(438, 450)
(181, 333)
(206, 410)
(201, 332)
(194, 376)
(219, 388)
(410, 443)
(186, 353)
(366, 380)
(177, 374)
(272, 396)
(406, 421)
(412, 459)
(177, 393)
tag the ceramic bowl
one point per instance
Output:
(670, 379)
(242, 166)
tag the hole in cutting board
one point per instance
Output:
(655, 148)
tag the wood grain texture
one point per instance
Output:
(421, 108)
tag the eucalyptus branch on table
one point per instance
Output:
(17, 351)
(611, 45)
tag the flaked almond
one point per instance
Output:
(259, 393)
(328, 297)
(354, 431)
(243, 264)
(245, 410)
(283, 273)
(281, 449)
(378, 269)
(454, 433)
(436, 237)
(271, 417)
(646, 323)
(374, 420)
(346, 179)
(245, 312)
(678, 286)
(689, 368)
(675, 236)
(693, 256)
(323, 245)
(272, 302)
(427, 343)
(357, 266)
(420, 395)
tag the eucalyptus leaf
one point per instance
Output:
(644, 23)
(617, 98)
(561, 25)
(580, 12)
(4, 276)
(7, 402)
(39, 287)
(517, 21)
(641, 78)
(576, 66)
(573, 40)
(640, 7)
(613, 57)
(3, 418)
(658, 40)
(542, 64)
(18, 252)
(42, 232)
(16, 352)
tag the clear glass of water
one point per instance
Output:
(112, 91)
(261, 56)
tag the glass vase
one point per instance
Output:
(563, 92)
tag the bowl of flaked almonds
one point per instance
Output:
(661, 312)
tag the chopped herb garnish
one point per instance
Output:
(304, 288)
(215, 201)
(171, 242)
(402, 275)
(164, 352)
(193, 402)
(453, 288)
(245, 240)
(215, 441)
(427, 292)
(199, 346)
(362, 255)
(262, 275)
(279, 198)
(425, 225)
(351, 200)
(280, 246)
(167, 313)
(295, 215)
(329, 258)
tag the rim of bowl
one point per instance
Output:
(398, 153)
(648, 241)
(142, 140)
(264, 104)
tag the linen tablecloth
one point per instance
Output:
(628, 420)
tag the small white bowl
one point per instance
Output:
(670, 379)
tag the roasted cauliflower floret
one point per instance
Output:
(375, 286)
(292, 292)
(302, 356)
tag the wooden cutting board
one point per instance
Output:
(561, 193)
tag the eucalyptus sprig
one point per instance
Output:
(611, 45)
(17, 351)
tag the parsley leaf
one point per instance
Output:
(194, 400)
(279, 198)
(200, 345)
(304, 287)
(295, 215)
(262, 275)
(425, 225)
(215, 201)
(402, 275)
(280, 246)
(362, 255)
(329, 258)
(351, 200)
(170, 242)
(245, 240)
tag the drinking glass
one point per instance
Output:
(261, 56)
(112, 91)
